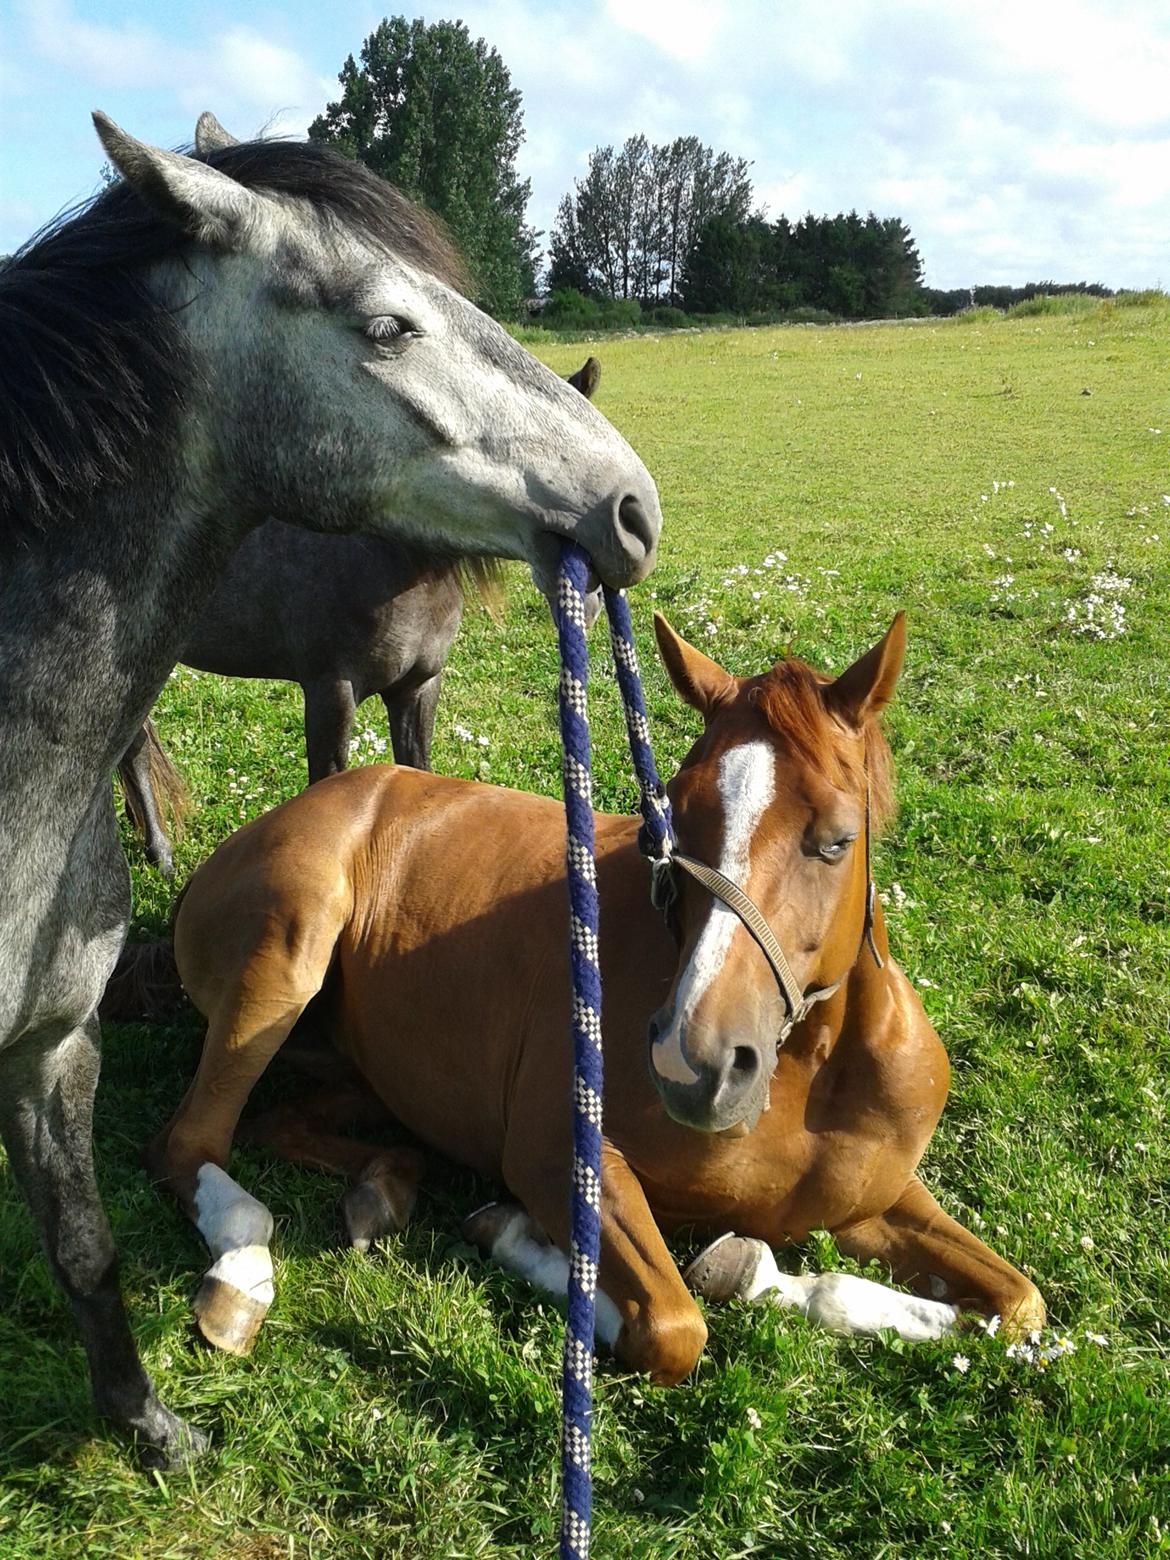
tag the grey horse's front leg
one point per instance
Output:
(411, 715)
(46, 1119)
(329, 710)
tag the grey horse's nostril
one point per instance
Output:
(636, 523)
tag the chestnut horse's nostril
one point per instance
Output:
(745, 1063)
(637, 524)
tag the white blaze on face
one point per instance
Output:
(747, 784)
(237, 1230)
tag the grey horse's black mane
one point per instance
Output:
(91, 367)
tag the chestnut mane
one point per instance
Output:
(790, 698)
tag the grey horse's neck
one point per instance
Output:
(90, 631)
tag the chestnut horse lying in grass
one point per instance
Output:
(429, 913)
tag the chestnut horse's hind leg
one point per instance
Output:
(386, 1180)
(46, 1106)
(926, 1248)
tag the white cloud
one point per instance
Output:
(1016, 137)
(249, 80)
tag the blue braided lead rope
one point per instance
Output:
(656, 840)
(585, 1241)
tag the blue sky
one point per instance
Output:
(1019, 140)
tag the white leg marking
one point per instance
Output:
(237, 1230)
(846, 1304)
(747, 783)
(523, 1249)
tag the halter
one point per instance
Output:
(664, 889)
(656, 842)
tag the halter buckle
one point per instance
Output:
(663, 887)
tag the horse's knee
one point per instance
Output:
(1022, 1309)
(663, 1344)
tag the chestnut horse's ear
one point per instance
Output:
(699, 681)
(865, 688)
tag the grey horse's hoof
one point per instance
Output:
(171, 1443)
(227, 1317)
(724, 1269)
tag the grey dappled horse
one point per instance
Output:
(347, 617)
(267, 329)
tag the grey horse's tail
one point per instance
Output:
(172, 800)
(145, 984)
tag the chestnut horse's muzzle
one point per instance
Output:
(728, 1082)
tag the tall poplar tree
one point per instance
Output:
(434, 111)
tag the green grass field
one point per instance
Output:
(1008, 483)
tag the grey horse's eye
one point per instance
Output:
(391, 330)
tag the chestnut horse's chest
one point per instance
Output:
(849, 1119)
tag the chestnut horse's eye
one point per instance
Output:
(834, 850)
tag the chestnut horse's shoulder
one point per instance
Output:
(905, 1044)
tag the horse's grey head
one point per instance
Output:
(355, 387)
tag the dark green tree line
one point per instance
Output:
(859, 268)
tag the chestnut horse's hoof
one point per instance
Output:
(369, 1214)
(485, 1226)
(227, 1317)
(725, 1269)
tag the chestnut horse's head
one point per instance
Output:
(774, 795)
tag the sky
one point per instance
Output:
(1020, 140)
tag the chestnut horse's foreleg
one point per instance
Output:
(191, 1153)
(739, 1267)
(386, 1180)
(643, 1309)
(927, 1249)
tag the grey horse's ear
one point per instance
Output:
(204, 203)
(587, 378)
(210, 135)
